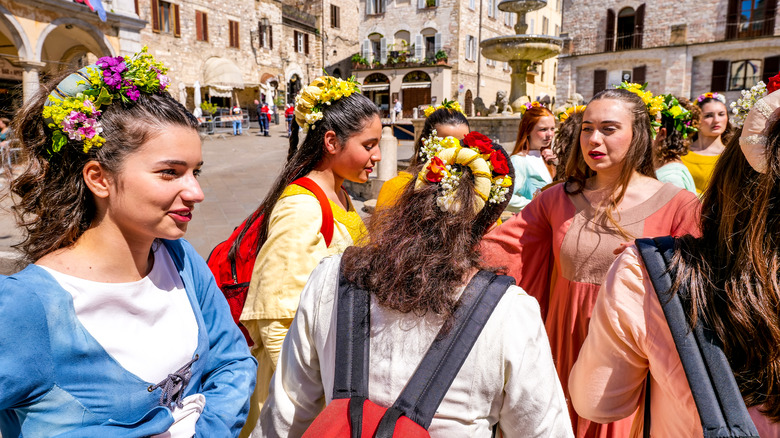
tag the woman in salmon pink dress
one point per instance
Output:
(561, 245)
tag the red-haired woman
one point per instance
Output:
(532, 151)
(560, 246)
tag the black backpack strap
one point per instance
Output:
(715, 391)
(430, 382)
(352, 349)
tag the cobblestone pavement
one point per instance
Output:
(237, 173)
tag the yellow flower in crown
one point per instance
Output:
(322, 92)
(448, 104)
(653, 104)
(563, 115)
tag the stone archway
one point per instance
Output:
(69, 32)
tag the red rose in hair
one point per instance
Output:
(435, 170)
(498, 161)
(478, 141)
(774, 84)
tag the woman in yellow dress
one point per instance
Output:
(341, 132)
(709, 142)
(447, 120)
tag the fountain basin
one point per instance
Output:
(521, 47)
(521, 7)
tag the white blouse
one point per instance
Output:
(508, 378)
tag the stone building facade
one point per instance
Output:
(400, 41)
(684, 47)
(41, 38)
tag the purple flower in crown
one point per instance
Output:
(133, 93)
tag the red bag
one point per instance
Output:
(233, 260)
(351, 414)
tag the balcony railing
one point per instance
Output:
(293, 14)
(668, 35)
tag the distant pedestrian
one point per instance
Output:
(288, 115)
(237, 124)
(262, 117)
(397, 109)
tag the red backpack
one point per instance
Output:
(233, 260)
(351, 414)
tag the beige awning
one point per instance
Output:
(222, 74)
(415, 85)
(375, 87)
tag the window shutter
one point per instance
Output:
(732, 19)
(720, 75)
(199, 25)
(437, 42)
(609, 44)
(419, 47)
(599, 81)
(270, 30)
(235, 34)
(638, 74)
(366, 49)
(155, 16)
(420, 4)
(369, 7)
(383, 50)
(176, 23)
(306, 43)
(205, 26)
(137, 9)
(771, 68)
(639, 26)
(769, 23)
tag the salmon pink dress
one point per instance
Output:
(559, 252)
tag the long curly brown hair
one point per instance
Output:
(415, 256)
(53, 204)
(733, 270)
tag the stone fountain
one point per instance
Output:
(520, 50)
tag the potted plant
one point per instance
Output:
(208, 108)
(441, 57)
(430, 3)
(357, 60)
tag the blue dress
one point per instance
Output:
(57, 381)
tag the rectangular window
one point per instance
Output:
(490, 8)
(165, 18)
(298, 41)
(201, 26)
(545, 26)
(377, 6)
(557, 30)
(335, 19)
(266, 34)
(233, 29)
(472, 4)
(470, 48)
(750, 18)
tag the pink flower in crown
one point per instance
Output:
(164, 81)
(133, 93)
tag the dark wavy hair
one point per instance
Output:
(345, 117)
(442, 116)
(566, 140)
(415, 256)
(733, 270)
(527, 123)
(674, 145)
(639, 157)
(54, 205)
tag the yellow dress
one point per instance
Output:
(294, 247)
(701, 167)
(392, 189)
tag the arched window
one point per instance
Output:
(625, 28)
(624, 31)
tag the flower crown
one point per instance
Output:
(448, 104)
(322, 92)
(566, 112)
(742, 106)
(445, 160)
(72, 110)
(528, 105)
(711, 95)
(681, 116)
(654, 104)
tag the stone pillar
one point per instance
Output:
(519, 76)
(31, 78)
(388, 145)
